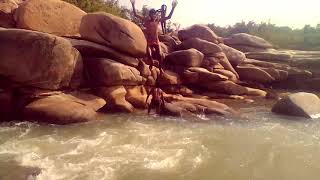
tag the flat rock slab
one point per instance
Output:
(299, 104)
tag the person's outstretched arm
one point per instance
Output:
(174, 5)
(135, 11)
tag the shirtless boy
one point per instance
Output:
(151, 24)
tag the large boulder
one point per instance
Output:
(91, 49)
(50, 16)
(256, 74)
(234, 56)
(247, 39)
(188, 58)
(37, 59)
(198, 31)
(7, 8)
(115, 32)
(206, 47)
(64, 108)
(299, 104)
(116, 99)
(106, 72)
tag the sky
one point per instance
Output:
(290, 13)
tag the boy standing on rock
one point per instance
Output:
(151, 24)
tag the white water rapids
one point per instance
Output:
(260, 146)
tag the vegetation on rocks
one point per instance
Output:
(109, 6)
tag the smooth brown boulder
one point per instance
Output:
(106, 72)
(251, 73)
(64, 109)
(198, 31)
(234, 56)
(91, 49)
(246, 39)
(116, 99)
(137, 96)
(113, 31)
(36, 59)
(277, 74)
(206, 47)
(186, 107)
(50, 16)
(207, 76)
(169, 41)
(188, 58)
(220, 62)
(7, 8)
(299, 104)
(231, 76)
(229, 87)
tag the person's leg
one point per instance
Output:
(159, 58)
(149, 55)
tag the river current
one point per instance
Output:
(257, 146)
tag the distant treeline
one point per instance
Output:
(306, 38)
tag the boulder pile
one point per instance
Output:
(61, 65)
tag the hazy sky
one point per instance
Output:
(292, 13)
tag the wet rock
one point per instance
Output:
(106, 72)
(234, 56)
(184, 91)
(115, 32)
(206, 47)
(198, 31)
(64, 108)
(50, 16)
(299, 104)
(251, 73)
(116, 99)
(37, 59)
(91, 49)
(247, 40)
(188, 58)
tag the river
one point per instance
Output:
(257, 146)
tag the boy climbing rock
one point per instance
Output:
(151, 24)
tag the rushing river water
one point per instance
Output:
(257, 146)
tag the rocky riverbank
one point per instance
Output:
(61, 65)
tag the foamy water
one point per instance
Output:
(259, 146)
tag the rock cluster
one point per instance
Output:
(61, 65)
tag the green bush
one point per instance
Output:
(109, 6)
